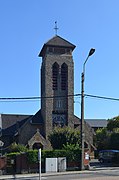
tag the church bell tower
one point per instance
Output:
(57, 83)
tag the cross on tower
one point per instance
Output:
(56, 28)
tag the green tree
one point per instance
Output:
(65, 136)
(108, 138)
(114, 140)
(113, 123)
(102, 139)
(17, 148)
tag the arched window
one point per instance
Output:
(64, 76)
(55, 72)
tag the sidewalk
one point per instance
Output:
(37, 175)
(3, 177)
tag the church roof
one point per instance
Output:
(11, 123)
(8, 120)
(11, 130)
(56, 41)
(37, 118)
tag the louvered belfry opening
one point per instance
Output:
(64, 75)
(55, 72)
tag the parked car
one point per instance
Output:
(108, 156)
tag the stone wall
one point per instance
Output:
(47, 103)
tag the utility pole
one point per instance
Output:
(82, 109)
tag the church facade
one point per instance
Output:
(57, 101)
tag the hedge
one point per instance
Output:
(32, 155)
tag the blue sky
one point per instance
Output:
(26, 25)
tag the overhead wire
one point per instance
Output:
(35, 98)
(101, 97)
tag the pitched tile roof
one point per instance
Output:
(56, 41)
(8, 120)
(37, 118)
(92, 122)
(59, 41)
(11, 130)
(11, 123)
(97, 123)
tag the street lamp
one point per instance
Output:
(82, 109)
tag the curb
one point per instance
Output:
(3, 177)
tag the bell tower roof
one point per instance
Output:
(56, 41)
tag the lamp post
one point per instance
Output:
(82, 109)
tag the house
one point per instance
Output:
(97, 123)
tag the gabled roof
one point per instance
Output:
(59, 41)
(56, 41)
(97, 123)
(94, 123)
(8, 120)
(11, 123)
(11, 130)
(37, 118)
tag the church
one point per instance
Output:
(57, 101)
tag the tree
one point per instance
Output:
(114, 141)
(113, 123)
(102, 139)
(62, 137)
(17, 148)
(108, 138)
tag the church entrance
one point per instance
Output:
(37, 146)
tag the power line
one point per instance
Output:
(35, 98)
(19, 98)
(101, 97)
(13, 101)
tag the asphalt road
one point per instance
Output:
(105, 174)
(98, 172)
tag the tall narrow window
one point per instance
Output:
(55, 72)
(64, 76)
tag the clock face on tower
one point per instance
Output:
(59, 119)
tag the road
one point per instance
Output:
(106, 174)
(98, 171)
